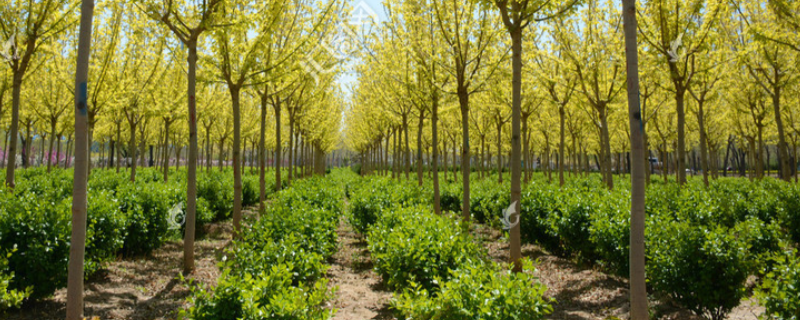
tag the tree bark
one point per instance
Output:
(80, 180)
(638, 284)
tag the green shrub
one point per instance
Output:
(251, 190)
(414, 245)
(450, 197)
(40, 230)
(267, 295)
(488, 199)
(779, 292)
(9, 298)
(106, 229)
(217, 189)
(257, 253)
(702, 269)
(482, 291)
(146, 209)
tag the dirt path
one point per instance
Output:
(584, 294)
(140, 288)
(361, 295)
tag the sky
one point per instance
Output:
(360, 7)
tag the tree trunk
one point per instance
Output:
(166, 171)
(237, 165)
(681, 148)
(421, 123)
(81, 173)
(437, 207)
(407, 148)
(638, 284)
(463, 99)
(50, 148)
(132, 148)
(515, 253)
(561, 138)
(262, 152)
(12, 147)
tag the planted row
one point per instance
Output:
(276, 270)
(436, 268)
(123, 219)
(702, 244)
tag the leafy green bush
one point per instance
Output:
(40, 231)
(450, 197)
(488, 199)
(779, 292)
(413, 245)
(481, 291)
(146, 207)
(268, 295)
(106, 229)
(217, 189)
(257, 252)
(702, 269)
(9, 298)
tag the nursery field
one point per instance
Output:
(342, 246)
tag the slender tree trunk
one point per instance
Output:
(703, 142)
(407, 148)
(638, 284)
(437, 208)
(499, 152)
(166, 172)
(463, 98)
(421, 123)
(237, 165)
(12, 147)
(81, 173)
(515, 253)
(132, 148)
(681, 165)
(561, 143)
(50, 148)
(262, 152)
(278, 156)
(290, 151)
(119, 152)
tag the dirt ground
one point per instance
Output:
(588, 294)
(149, 287)
(360, 295)
(141, 288)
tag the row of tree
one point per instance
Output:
(246, 71)
(730, 65)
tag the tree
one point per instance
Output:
(469, 31)
(187, 21)
(81, 174)
(25, 29)
(638, 283)
(676, 31)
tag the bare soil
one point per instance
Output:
(583, 293)
(360, 295)
(147, 287)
